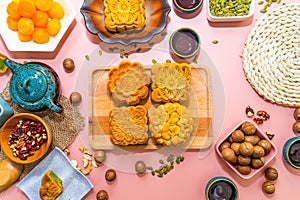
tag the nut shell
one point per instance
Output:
(140, 167)
(258, 151)
(235, 147)
(229, 155)
(102, 195)
(253, 139)
(257, 163)
(248, 128)
(69, 65)
(296, 127)
(266, 145)
(268, 187)
(110, 175)
(271, 174)
(224, 145)
(75, 98)
(244, 169)
(244, 160)
(100, 156)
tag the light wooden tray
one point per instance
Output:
(200, 105)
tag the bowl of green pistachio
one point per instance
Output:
(229, 10)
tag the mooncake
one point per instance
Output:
(123, 15)
(51, 186)
(128, 82)
(171, 82)
(171, 124)
(128, 125)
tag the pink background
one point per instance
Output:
(188, 180)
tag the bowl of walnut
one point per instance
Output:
(25, 138)
(246, 150)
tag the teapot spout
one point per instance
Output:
(12, 65)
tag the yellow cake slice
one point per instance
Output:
(51, 186)
(128, 125)
(122, 15)
(171, 124)
(128, 82)
(171, 82)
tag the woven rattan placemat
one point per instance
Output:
(64, 126)
(271, 56)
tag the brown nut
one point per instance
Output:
(296, 127)
(246, 148)
(244, 160)
(99, 156)
(257, 163)
(68, 64)
(75, 98)
(271, 174)
(266, 145)
(224, 145)
(140, 167)
(268, 187)
(297, 114)
(235, 147)
(253, 139)
(229, 155)
(102, 195)
(244, 169)
(237, 136)
(248, 128)
(258, 151)
(110, 175)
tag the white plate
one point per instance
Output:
(212, 18)
(12, 41)
(75, 184)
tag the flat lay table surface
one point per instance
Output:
(231, 94)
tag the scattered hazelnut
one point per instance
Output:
(99, 156)
(102, 195)
(248, 128)
(110, 175)
(75, 98)
(296, 127)
(140, 167)
(268, 187)
(271, 174)
(69, 65)
(297, 114)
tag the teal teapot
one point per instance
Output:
(34, 86)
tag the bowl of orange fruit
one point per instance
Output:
(35, 25)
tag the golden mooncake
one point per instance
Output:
(122, 15)
(128, 82)
(171, 82)
(171, 124)
(128, 125)
(51, 186)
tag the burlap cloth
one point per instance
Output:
(64, 126)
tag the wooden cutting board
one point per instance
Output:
(200, 105)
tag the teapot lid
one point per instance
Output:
(32, 86)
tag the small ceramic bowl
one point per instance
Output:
(213, 18)
(291, 152)
(184, 43)
(215, 189)
(8, 129)
(268, 157)
(187, 9)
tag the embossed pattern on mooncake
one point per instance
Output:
(128, 82)
(171, 82)
(128, 125)
(171, 124)
(122, 15)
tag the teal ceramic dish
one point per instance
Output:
(187, 8)
(5, 111)
(221, 187)
(34, 86)
(184, 43)
(291, 152)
